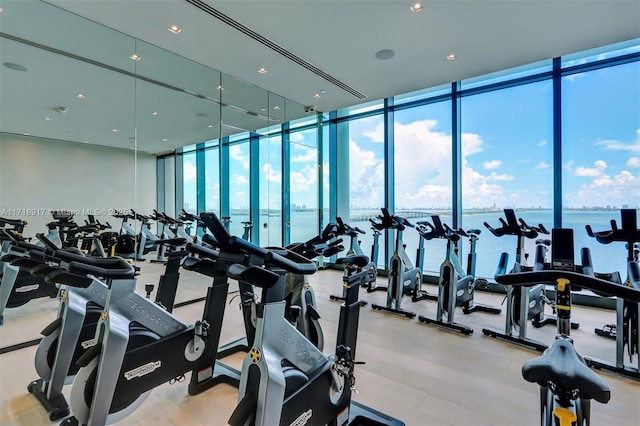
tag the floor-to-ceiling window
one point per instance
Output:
(365, 138)
(239, 186)
(600, 155)
(507, 158)
(423, 172)
(212, 179)
(270, 182)
(303, 184)
(189, 182)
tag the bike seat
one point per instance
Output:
(561, 365)
(544, 241)
(360, 260)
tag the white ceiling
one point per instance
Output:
(338, 37)
(341, 38)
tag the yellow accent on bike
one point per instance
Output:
(565, 416)
(103, 315)
(563, 307)
(561, 283)
(255, 355)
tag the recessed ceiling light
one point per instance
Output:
(115, 130)
(15, 67)
(322, 91)
(154, 113)
(451, 57)
(416, 7)
(262, 70)
(85, 141)
(135, 57)
(317, 96)
(48, 118)
(80, 96)
(220, 88)
(175, 29)
(27, 134)
(276, 107)
(210, 126)
(263, 109)
(165, 140)
(385, 54)
(1, 10)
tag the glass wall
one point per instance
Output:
(423, 172)
(365, 137)
(270, 190)
(303, 187)
(190, 185)
(239, 186)
(212, 180)
(507, 157)
(505, 137)
(601, 155)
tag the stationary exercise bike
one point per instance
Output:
(286, 380)
(355, 249)
(139, 345)
(567, 384)
(73, 331)
(404, 278)
(626, 330)
(456, 286)
(524, 304)
(17, 285)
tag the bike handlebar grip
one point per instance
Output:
(210, 239)
(126, 270)
(291, 262)
(502, 265)
(542, 229)
(202, 251)
(550, 276)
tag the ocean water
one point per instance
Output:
(606, 258)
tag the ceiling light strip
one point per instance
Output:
(274, 46)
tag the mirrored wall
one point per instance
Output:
(85, 111)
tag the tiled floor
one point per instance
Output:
(420, 374)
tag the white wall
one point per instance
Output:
(39, 175)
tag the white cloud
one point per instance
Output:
(493, 164)
(613, 145)
(542, 165)
(605, 190)
(235, 152)
(633, 162)
(270, 174)
(304, 180)
(310, 155)
(189, 172)
(542, 143)
(598, 170)
(240, 179)
(296, 137)
(366, 177)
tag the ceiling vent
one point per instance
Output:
(274, 46)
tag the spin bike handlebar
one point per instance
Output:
(283, 258)
(587, 281)
(289, 261)
(202, 251)
(345, 229)
(513, 226)
(629, 233)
